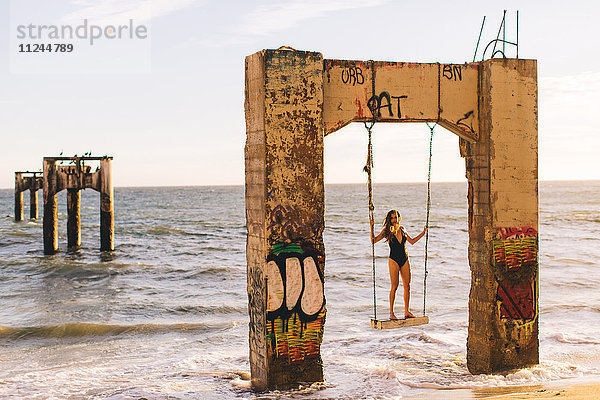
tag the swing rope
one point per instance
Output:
(368, 167)
(431, 128)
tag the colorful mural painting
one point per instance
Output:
(515, 260)
(517, 299)
(295, 303)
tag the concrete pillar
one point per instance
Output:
(33, 200)
(503, 220)
(50, 210)
(107, 220)
(18, 198)
(73, 218)
(285, 216)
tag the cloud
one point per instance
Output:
(584, 84)
(266, 19)
(105, 12)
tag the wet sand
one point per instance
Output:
(572, 390)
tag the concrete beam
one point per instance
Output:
(401, 92)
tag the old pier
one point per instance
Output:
(32, 181)
(74, 177)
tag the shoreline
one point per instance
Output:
(584, 388)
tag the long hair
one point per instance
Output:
(388, 231)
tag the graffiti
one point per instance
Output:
(452, 72)
(468, 125)
(287, 224)
(353, 76)
(294, 285)
(384, 100)
(284, 223)
(516, 299)
(295, 303)
(518, 248)
(514, 258)
(256, 303)
(516, 233)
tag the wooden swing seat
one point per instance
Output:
(399, 323)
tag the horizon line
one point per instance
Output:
(332, 183)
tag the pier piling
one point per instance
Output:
(73, 218)
(33, 203)
(107, 219)
(18, 205)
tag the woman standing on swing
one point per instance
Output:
(399, 263)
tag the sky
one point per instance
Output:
(170, 107)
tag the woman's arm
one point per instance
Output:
(416, 239)
(374, 238)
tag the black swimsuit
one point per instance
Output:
(398, 250)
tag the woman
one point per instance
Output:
(397, 237)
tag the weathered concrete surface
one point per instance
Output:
(50, 223)
(75, 177)
(502, 174)
(33, 202)
(107, 215)
(73, 218)
(404, 92)
(284, 208)
(256, 245)
(18, 198)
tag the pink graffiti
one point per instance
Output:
(517, 233)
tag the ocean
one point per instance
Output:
(165, 315)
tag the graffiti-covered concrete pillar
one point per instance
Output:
(503, 219)
(285, 216)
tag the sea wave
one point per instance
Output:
(562, 338)
(539, 374)
(167, 230)
(207, 310)
(79, 329)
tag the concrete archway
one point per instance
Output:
(294, 99)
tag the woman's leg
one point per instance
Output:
(405, 274)
(395, 280)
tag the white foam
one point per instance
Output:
(562, 338)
